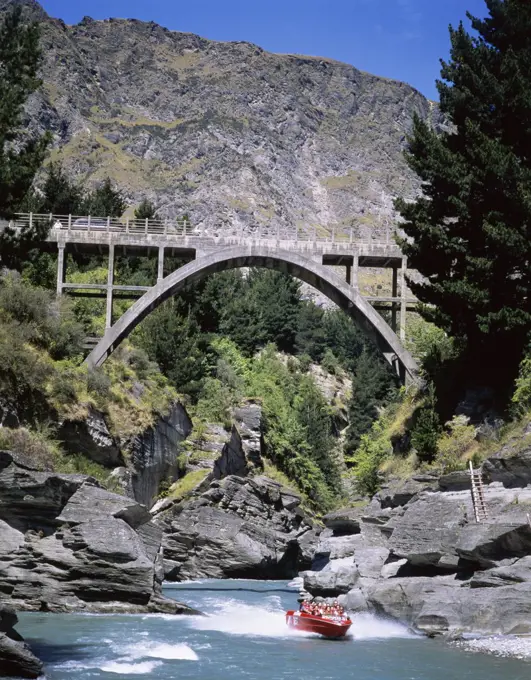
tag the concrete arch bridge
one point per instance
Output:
(311, 257)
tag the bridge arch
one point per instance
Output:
(299, 266)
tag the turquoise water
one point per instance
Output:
(244, 637)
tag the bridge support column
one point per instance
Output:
(61, 267)
(394, 294)
(355, 271)
(110, 282)
(403, 299)
(160, 273)
(349, 274)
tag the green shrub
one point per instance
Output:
(98, 383)
(305, 361)
(521, 399)
(375, 447)
(329, 362)
(37, 447)
(215, 402)
(427, 428)
(454, 444)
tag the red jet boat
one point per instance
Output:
(327, 626)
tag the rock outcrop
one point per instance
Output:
(140, 462)
(416, 553)
(153, 455)
(238, 528)
(68, 545)
(242, 454)
(16, 658)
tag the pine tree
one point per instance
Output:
(61, 196)
(105, 201)
(427, 428)
(20, 156)
(314, 417)
(145, 211)
(470, 231)
(372, 387)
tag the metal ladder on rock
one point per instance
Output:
(478, 494)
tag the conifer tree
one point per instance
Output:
(372, 388)
(470, 231)
(20, 156)
(427, 428)
(145, 211)
(105, 201)
(61, 196)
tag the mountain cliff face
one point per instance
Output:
(230, 134)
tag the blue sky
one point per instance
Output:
(401, 39)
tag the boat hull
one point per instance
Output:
(324, 626)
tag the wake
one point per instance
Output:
(233, 617)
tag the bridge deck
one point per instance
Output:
(88, 234)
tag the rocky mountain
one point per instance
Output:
(233, 135)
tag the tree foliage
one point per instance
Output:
(427, 428)
(105, 201)
(470, 231)
(20, 156)
(373, 386)
(60, 196)
(145, 211)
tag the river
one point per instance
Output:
(244, 636)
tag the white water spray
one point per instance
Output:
(268, 620)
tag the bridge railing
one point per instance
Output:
(182, 227)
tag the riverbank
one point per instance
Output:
(514, 647)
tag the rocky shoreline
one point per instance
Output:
(415, 553)
(68, 545)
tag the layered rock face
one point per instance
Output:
(140, 462)
(16, 658)
(234, 136)
(68, 545)
(238, 528)
(416, 554)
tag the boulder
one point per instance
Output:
(476, 611)
(338, 577)
(344, 522)
(239, 528)
(17, 659)
(511, 470)
(91, 438)
(31, 499)
(429, 529)
(98, 551)
(354, 601)
(489, 542)
(233, 460)
(455, 481)
(404, 598)
(399, 492)
(248, 421)
(90, 502)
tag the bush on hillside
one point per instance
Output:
(521, 399)
(427, 428)
(455, 444)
